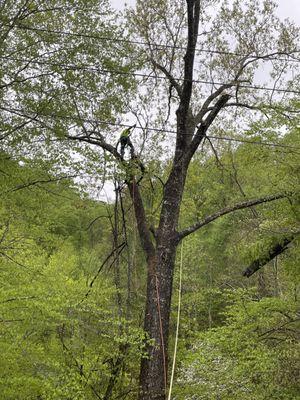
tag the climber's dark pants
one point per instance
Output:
(125, 141)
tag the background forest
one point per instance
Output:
(73, 271)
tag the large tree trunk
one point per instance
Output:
(154, 368)
(161, 257)
(153, 377)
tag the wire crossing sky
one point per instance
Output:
(148, 128)
(289, 57)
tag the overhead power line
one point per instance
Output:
(226, 138)
(152, 129)
(93, 69)
(138, 42)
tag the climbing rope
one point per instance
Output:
(178, 321)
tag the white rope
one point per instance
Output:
(178, 321)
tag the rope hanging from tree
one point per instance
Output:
(178, 322)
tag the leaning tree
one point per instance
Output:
(202, 59)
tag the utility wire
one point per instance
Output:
(96, 121)
(89, 68)
(137, 42)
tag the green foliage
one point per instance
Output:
(68, 331)
(55, 81)
(59, 338)
(253, 356)
(239, 337)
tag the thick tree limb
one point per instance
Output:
(201, 130)
(243, 105)
(273, 252)
(98, 141)
(206, 105)
(140, 215)
(144, 232)
(215, 110)
(193, 12)
(229, 209)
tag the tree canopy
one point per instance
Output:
(211, 165)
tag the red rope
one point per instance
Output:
(161, 333)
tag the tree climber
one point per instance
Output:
(125, 140)
(134, 166)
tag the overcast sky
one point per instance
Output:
(286, 8)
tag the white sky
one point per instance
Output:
(286, 8)
(289, 9)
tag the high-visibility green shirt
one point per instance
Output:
(125, 133)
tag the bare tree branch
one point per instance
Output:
(38, 181)
(98, 141)
(172, 80)
(230, 209)
(116, 250)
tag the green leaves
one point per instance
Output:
(59, 337)
(247, 357)
(63, 71)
